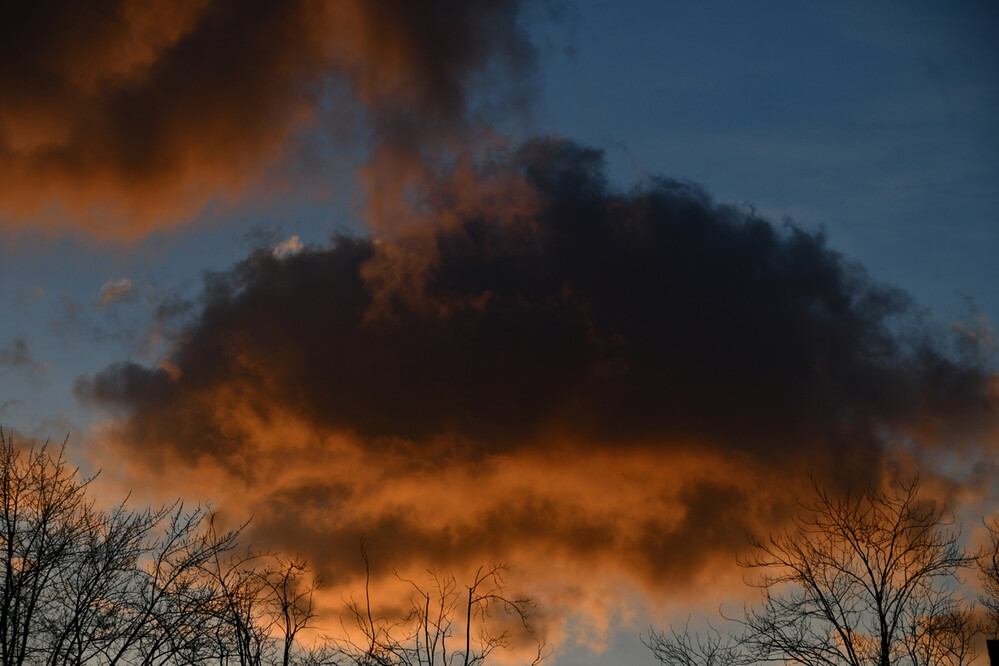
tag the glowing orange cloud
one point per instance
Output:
(120, 117)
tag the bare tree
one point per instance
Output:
(989, 570)
(261, 603)
(42, 520)
(291, 594)
(169, 619)
(687, 648)
(163, 587)
(865, 580)
(447, 625)
(84, 586)
(93, 595)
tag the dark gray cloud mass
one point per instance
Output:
(642, 318)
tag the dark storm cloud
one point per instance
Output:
(130, 115)
(613, 379)
(640, 316)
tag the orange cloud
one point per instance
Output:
(120, 117)
(576, 523)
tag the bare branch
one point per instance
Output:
(854, 581)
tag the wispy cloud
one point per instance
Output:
(17, 356)
(26, 297)
(288, 247)
(8, 404)
(117, 291)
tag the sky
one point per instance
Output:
(586, 288)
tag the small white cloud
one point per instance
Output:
(288, 248)
(120, 291)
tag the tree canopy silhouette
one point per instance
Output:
(866, 580)
(166, 587)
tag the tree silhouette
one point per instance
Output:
(156, 587)
(989, 570)
(164, 587)
(438, 630)
(866, 580)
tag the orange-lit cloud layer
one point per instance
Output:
(123, 116)
(585, 383)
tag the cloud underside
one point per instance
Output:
(549, 372)
(122, 116)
